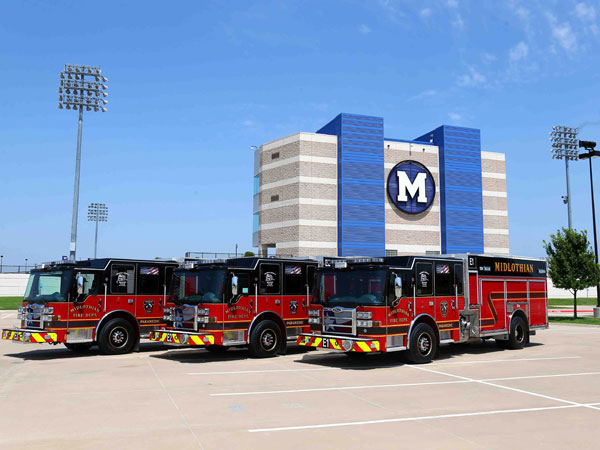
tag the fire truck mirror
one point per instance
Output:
(234, 285)
(80, 284)
(397, 286)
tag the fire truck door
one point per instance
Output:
(424, 301)
(400, 311)
(150, 296)
(270, 288)
(238, 309)
(446, 308)
(294, 299)
(121, 289)
(86, 309)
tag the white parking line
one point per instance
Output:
(236, 372)
(6, 316)
(412, 419)
(484, 361)
(380, 386)
(535, 394)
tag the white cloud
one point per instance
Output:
(452, 3)
(423, 95)
(425, 13)
(473, 78)
(364, 29)
(488, 58)
(458, 22)
(518, 52)
(248, 123)
(562, 33)
(585, 12)
(455, 117)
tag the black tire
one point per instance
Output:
(518, 334)
(265, 339)
(82, 347)
(217, 348)
(423, 345)
(116, 337)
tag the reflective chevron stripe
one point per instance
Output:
(176, 338)
(337, 344)
(34, 337)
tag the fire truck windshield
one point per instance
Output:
(48, 286)
(355, 287)
(198, 286)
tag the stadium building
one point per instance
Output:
(347, 190)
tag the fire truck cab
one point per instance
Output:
(414, 303)
(109, 302)
(257, 302)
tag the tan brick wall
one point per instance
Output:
(295, 212)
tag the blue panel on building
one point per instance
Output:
(361, 185)
(461, 202)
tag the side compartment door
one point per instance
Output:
(493, 305)
(538, 303)
(516, 298)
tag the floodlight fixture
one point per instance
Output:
(97, 212)
(565, 146)
(80, 88)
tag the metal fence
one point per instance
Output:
(8, 268)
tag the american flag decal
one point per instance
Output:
(442, 268)
(145, 270)
(293, 270)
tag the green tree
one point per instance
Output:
(571, 262)
(248, 254)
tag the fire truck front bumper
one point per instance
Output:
(182, 338)
(346, 344)
(29, 336)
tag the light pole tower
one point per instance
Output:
(565, 145)
(80, 87)
(97, 212)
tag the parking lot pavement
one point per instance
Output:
(471, 396)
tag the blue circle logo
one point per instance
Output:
(410, 187)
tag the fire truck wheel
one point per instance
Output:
(518, 334)
(79, 347)
(265, 339)
(423, 344)
(116, 337)
(217, 348)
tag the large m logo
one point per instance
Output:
(411, 187)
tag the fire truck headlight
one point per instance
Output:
(203, 319)
(47, 318)
(203, 311)
(364, 323)
(314, 320)
(364, 315)
(20, 310)
(347, 344)
(313, 312)
(48, 310)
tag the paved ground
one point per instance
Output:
(473, 396)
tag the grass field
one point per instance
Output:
(569, 301)
(10, 302)
(579, 320)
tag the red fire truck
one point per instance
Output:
(257, 302)
(414, 303)
(109, 302)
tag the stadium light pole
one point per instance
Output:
(80, 87)
(1, 258)
(97, 212)
(564, 145)
(592, 153)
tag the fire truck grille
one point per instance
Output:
(33, 317)
(185, 318)
(339, 320)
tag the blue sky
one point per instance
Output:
(192, 85)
